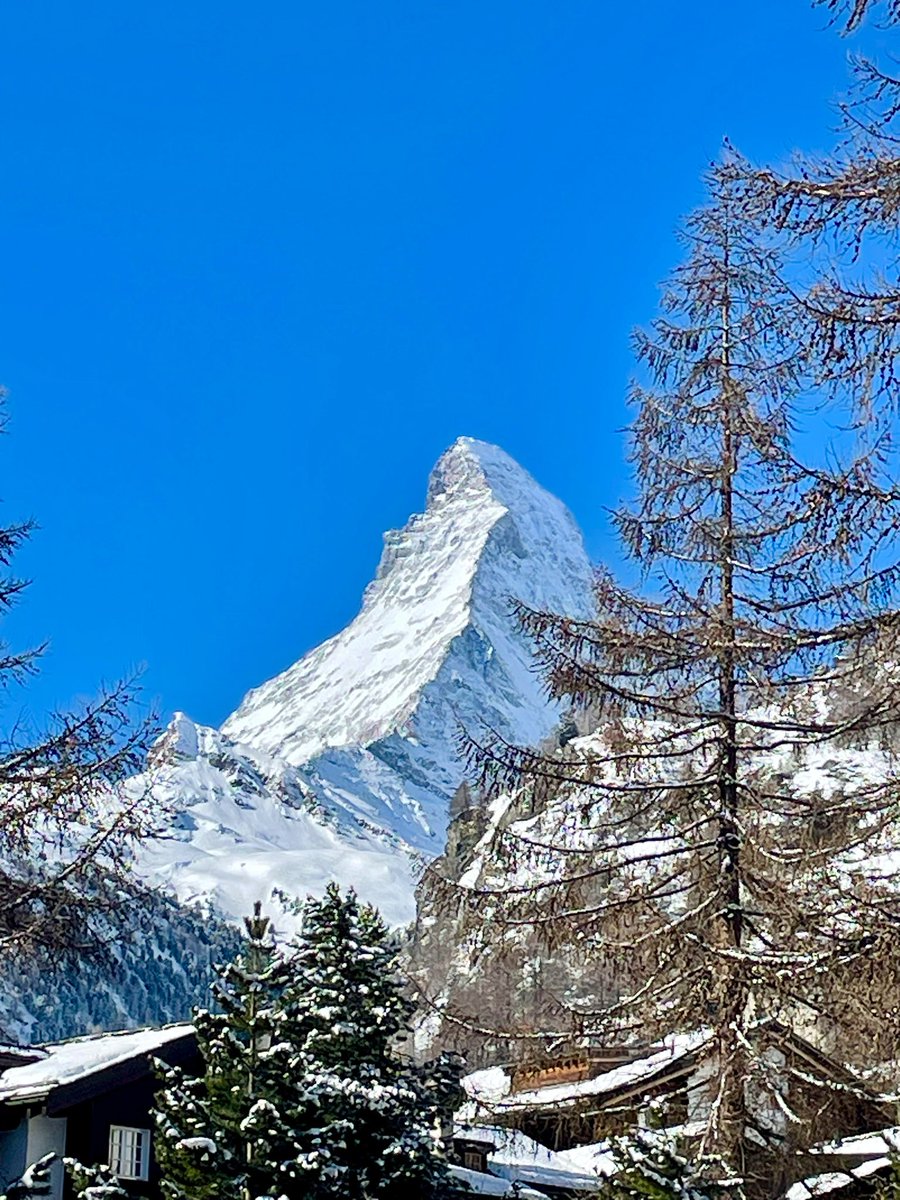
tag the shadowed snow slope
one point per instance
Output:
(343, 766)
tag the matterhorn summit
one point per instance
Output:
(342, 767)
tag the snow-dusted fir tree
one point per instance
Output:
(377, 1116)
(204, 1146)
(721, 846)
(306, 1093)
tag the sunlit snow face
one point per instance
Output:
(343, 766)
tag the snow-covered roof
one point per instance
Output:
(877, 1144)
(482, 1135)
(490, 1185)
(521, 1159)
(10, 1053)
(593, 1159)
(67, 1062)
(491, 1089)
(831, 1181)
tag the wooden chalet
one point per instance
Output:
(585, 1098)
(89, 1098)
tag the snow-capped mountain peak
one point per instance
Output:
(365, 683)
(352, 751)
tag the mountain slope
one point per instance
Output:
(343, 766)
(150, 973)
(532, 838)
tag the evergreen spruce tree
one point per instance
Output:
(378, 1115)
(205, 1145)
(305, 1094)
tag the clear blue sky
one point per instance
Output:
(263, 263)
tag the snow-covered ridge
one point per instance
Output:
(365, 683)
(342, 767)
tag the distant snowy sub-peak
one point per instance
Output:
(342, 767)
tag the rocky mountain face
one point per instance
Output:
(489, 988)
(343, 766)
(485, 988)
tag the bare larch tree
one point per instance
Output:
(854, 12)
(67, 822)
(722, 844)
(841, 215)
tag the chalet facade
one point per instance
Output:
(89, 1098)
(576, 1066)
(582, 1099)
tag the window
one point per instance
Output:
(473, 1160)
(129, 1152)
